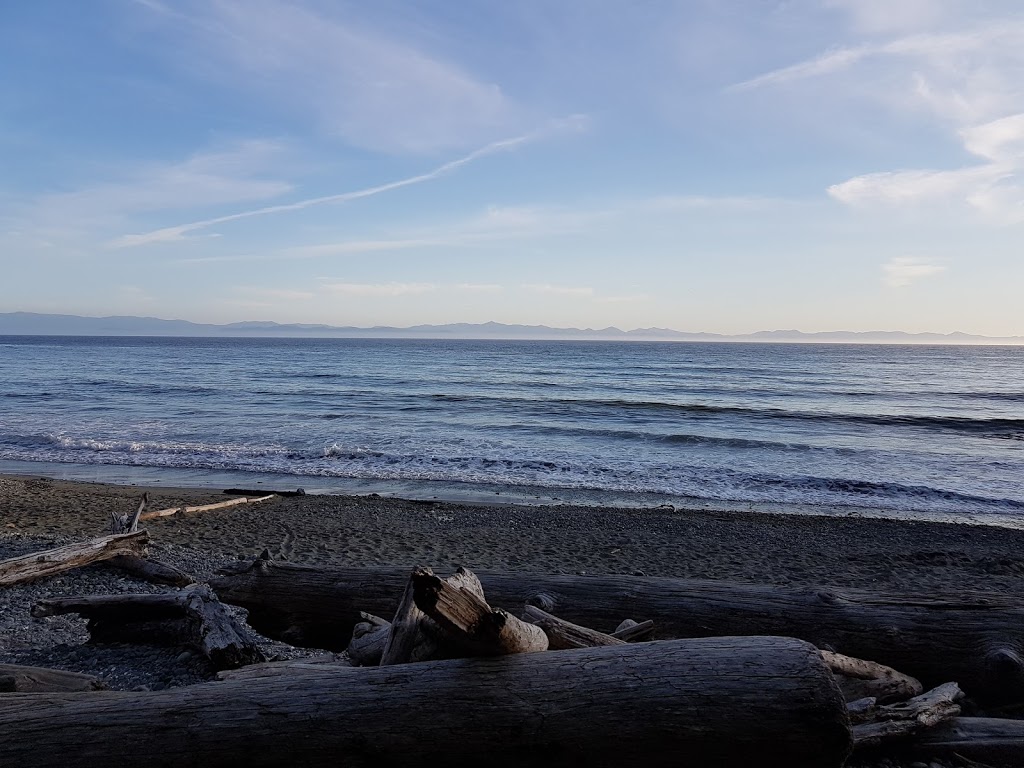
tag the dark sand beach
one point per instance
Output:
(798, 550)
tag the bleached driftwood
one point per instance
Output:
(466, 618)
(128, 523)
(38, 565)
(859, 679)
(898, 721)
(204, 507)
(712, 702)
(563, 634)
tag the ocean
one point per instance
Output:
(902, 431)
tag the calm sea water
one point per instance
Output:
(938, 430)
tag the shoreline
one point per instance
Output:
(214, 481)
(737, 545)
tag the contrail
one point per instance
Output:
(175, 233)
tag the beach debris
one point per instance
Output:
(860, 679)
(632, 631)
(15, 678)
(191, 617)
(128, 523)
(369, 638)
(38, 565)
(563, 634)
(170, 511)
(987, 740)
(148, 569)
(312, 665)
(975, 639)
(707, 701)
(259, 493)
(899, 721)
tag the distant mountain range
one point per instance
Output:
(31, 323)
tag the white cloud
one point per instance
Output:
(379, 289)
(178, 232)
(363, 84)
(559, 290)
(994, 189)
(478, 287)
(880, 16)
(904, 271)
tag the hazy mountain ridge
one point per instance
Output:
(36, 324)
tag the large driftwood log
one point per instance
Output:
(192, 617)
(467, 619)
(974, 639)
(714, 701)
(15, 678)
(38, 565)
(860, 679)
(314, 665)
(987, 740)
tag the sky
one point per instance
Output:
(703, 165)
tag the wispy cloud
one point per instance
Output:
(559, 290)
(175, 233)
(379, 289)
(357, 80)
(904, 271)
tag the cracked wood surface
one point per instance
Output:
(716, 701)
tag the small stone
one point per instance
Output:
(183, 657)
(919, 765)
(639, 573)
(140, 688)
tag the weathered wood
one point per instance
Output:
(563, 635)
(634, 631)
(369, 637)
(192, 617)
(170, 511)
(128, 523)
(899, 721)
(38, 565)
(406, 640)
(976, 639)
(470, 622)
(714, 701)
(859, 679)
(151, 570)
(988, 740)
(314, 665)
(15, 678)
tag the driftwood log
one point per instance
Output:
(369, 637)
(170, 511)
(986, 740)
(151, 570)
(563, 634)
(897, 722)
(468, 622)
(128, 523)
(192, 617)
(977, 640)
(15, 678)
(859, 679)
(713, 701)
(38, 565)
(634, 631)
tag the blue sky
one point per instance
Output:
(702, 165)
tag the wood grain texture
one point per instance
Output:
(38, 565)
(710, 702)
(975, 639)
